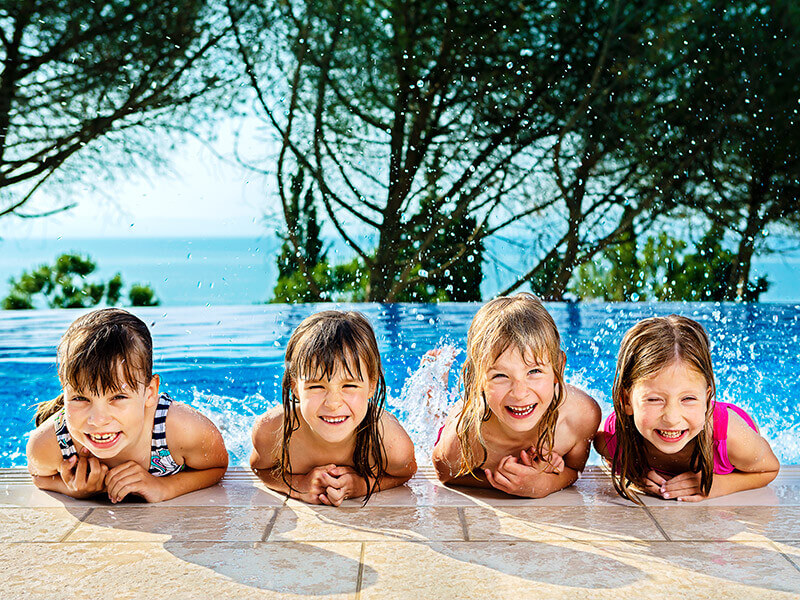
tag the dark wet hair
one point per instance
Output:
(322, 344)
(648, 347)
(96, 350)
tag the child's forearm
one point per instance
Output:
(547, 483)
(739, 481)
(54, 483)
(190, 480)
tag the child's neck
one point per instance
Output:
(497, 434)
(673, 463)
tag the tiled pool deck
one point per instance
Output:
(423, 540)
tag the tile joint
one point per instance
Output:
(360, 578)
(462, 517)
(657, 524)
(81, 519)
(270, 525)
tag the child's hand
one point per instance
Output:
(347, 484)
(653, 483)
(552, 463)
(131, 478)
(84, 475)
(514, 477)
(684, 488)
(312, 486)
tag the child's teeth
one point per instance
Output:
(671, 434)
(337, 420)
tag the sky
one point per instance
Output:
(199, 194)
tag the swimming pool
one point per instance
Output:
(228, 361)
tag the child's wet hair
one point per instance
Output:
(102, 351)
(647, 348)
(320, 346)
(521, 322)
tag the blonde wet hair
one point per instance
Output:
(96, 350)
(647, 348)
(322, 344)
(521, 322)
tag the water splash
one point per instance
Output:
(428, 394)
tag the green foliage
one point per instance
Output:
(663, 269)
(63, 285)
(142, 295)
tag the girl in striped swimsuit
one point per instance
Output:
(110, 431)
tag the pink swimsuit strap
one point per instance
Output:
(722, 465)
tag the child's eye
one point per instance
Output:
(653, 400)
(689, 399)
(350, 385)
(499, 376)
(534, 371)
(78, 399)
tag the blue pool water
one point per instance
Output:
(228, 361)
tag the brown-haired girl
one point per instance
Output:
(110, 431)
(518, 428)
(668, 435)
(331, 439)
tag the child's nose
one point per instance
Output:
(672, 414)
(519, 389)
(98, 416)
(333, 399)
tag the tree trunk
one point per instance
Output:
(740, 271)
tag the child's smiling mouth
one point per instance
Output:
(520, 412)
(335, 420)
(671, 435)
(103, 440)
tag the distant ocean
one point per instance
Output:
(236, 271)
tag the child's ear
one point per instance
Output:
(151, 391)
(373, 385)
(626, 404)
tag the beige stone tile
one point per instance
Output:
(693, 522)
(791, 550)
(38, 524)
(556, 523)
(299, 522)
(28, 495)
(613, 570)
(230, 493)
(157, 523)
(177, 570)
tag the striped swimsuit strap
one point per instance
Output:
(161, 461)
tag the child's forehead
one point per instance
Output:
(350, 368)
(527, 355)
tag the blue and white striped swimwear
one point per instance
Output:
(161, 461)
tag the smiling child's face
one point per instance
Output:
(109, 422)
(333, 407)
(669, 408)
(519, 389)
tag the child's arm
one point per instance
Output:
(751, 455)
(81, 476)
(400, 466)
(267, 440)
(190, 437)
(531, 476)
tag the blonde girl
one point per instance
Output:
(110, 431)
(518, 428)
(668, 435)
(330, 439)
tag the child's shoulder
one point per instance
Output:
(187, 427)
(397, 443)
(581, 411)
(43, 453)
(268, 425)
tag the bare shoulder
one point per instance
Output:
(397, 444)
(267, 437)
(192, 438)
(581, 412)
(43, 453)
(268, 426)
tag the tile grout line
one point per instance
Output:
(270, 525)
(657, 524)
(360, 578)
(462, 517)
(784, 555)
(78, 524)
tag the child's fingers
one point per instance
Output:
(80, 471)
(501, 481)
(323, 499)
(657, 479)
(691, 498)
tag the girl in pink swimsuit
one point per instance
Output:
(668, 436)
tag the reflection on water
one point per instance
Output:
(228, 361)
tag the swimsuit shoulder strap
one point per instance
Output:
(62, 435)
(161, 461)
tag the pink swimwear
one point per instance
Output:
(722, 466)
